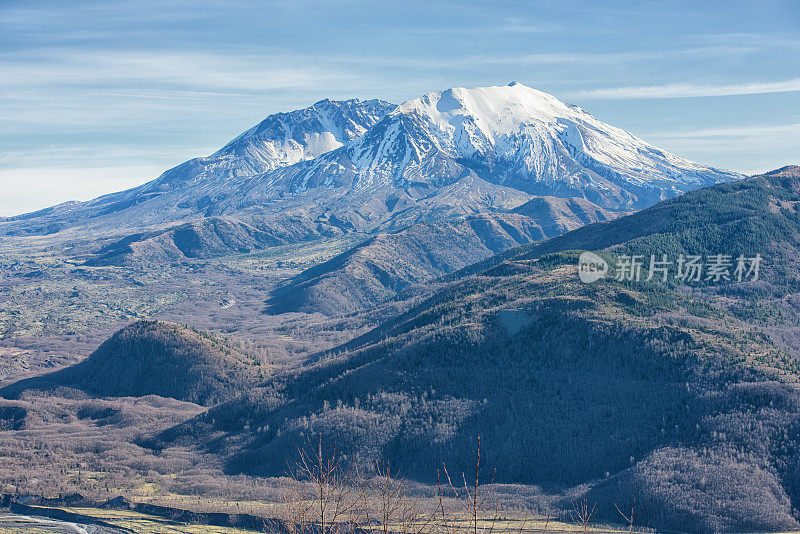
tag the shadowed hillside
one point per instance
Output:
(379, 268)
(212, 237)
(566, 383)
(155, 358)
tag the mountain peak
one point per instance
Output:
(308, 132)
(493, 111)
(283, 139)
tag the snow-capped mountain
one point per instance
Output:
(369, 165)
(512, 136)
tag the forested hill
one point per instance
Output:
(755, 215)
(675, 396)
(155, 358)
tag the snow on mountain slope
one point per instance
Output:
(513, 136)
(284, 139)
(490, 121)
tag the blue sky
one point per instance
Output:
(100, 96)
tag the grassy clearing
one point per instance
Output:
(149, 524)
(208, 504)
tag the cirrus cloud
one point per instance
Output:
(686, 90)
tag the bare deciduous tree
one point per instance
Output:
(294, 508)
(629, 519)
(478, 503)
(324, 491)
(388, 495)
(582, 514)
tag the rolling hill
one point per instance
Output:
(155, 358)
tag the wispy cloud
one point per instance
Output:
(764, 40)
(509, 26)
(90, 88)
(547, 59)
(274, 68)
(180, 70)
(734, 131)
(684, 90)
